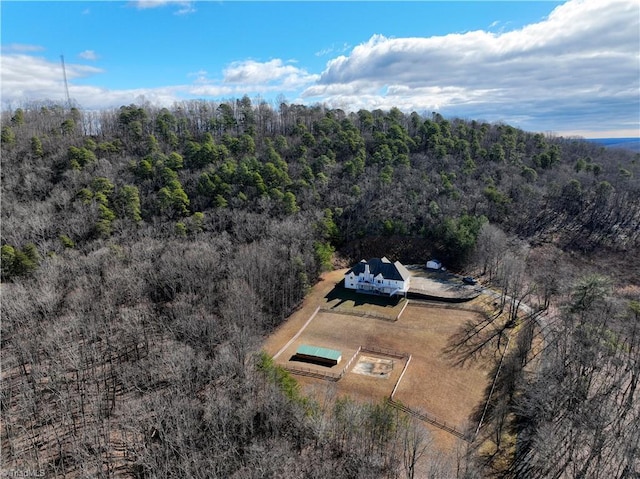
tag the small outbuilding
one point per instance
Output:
(317, 355)
(434, 264)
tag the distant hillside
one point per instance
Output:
(632, 144)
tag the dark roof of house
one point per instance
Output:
(395, 271)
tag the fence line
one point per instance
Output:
(344, 370)
(421, 415)
(313, 373)
(297, 335)
(429, 419)
(337, 376)
(386, 352)
(404, 370)
(327, 376)
(495, 379)
(320, 374)
(406, 303)
(425, 303)
(358, 314)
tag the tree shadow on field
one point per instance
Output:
(342, 295)
(496, 430)
(475, 339)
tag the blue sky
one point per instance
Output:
(571, 68)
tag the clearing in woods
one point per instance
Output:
(376, 346)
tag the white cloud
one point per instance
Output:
(575, 71)
(250, 72)
(88, 55)
(333, 49)
(201, 77)
(21, 48)
(28, 78)
(250, 77)
(24, 73)
(215, 91)
(580, 60)
(146, 4)
(185, 5)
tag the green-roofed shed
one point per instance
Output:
(318, 355)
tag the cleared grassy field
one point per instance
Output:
(434, 381)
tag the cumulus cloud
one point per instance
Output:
(270, 73)
(250, 77)
(28, 78)
(581, 59)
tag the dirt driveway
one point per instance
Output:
(441, 284)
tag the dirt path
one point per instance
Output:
(293, 323)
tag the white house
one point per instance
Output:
(378, 276)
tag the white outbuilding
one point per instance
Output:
(434, 264)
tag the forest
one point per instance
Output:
(148, 251)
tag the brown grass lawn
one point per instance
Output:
(433, 382)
